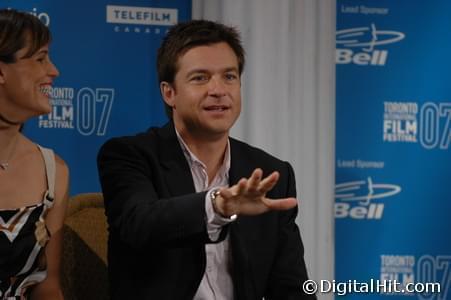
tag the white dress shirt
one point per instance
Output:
(217, 281)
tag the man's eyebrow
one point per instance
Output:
(195, 71)
(234, 69)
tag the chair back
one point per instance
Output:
(84, 258)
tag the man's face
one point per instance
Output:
(206, 93)
(26, 83)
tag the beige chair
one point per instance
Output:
(84, 259)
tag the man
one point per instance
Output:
(192, 213)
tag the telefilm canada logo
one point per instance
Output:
(361, 45)
(86, 110)
(147, 20)
(354, 199)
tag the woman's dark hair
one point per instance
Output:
(19, 30)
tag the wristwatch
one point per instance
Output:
(213, 195)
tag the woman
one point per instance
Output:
(33, 182)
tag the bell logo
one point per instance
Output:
(376, 58)
(366, 39)
(373, 211)
(362, 192)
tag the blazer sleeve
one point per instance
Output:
(136, 215)
(289, 271)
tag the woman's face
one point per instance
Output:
(26, 84)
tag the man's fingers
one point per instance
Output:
(241, 186)
(269, 182)
(235, 190)
(280, 204)
(254, 180)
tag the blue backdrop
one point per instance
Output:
(105, 52)
(393, 168)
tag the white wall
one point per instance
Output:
(289, 102)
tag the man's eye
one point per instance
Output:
(199, 78)
(231, 76)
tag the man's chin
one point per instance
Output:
(215, 132)
(219, 127)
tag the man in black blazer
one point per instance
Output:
(192, 213)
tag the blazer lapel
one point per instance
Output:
(179, 181)
(175, 167)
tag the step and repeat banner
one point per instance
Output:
(105, 51)
(393, 148)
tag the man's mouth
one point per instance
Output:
(217, 108)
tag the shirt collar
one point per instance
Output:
(192, 158)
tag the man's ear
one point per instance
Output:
(168, 93)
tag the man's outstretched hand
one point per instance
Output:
(248, 196)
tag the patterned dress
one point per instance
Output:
(23, 236)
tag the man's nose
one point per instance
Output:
(217, 87)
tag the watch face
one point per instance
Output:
(214, 193)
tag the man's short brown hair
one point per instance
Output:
(185, 36)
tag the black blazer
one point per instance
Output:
(157, 228)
